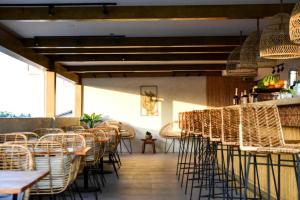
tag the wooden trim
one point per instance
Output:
(150, 74)
(166, 50)
(130, 68)
(142, 57)
(137, 13)
(12, 44)
(130, 42)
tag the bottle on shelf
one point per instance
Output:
(236, 98)
(250, 96)
(244, 97)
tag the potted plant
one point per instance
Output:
(148, 135)
(91, 120)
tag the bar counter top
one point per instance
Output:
(281, 102)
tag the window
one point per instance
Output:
(65, 97)
(21, 87)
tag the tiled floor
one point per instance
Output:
(145, 177)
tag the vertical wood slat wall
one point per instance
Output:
(220, 90)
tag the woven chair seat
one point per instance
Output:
(278, 150)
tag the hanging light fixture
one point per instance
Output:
(275, 40)
(294, 25)
(249, 55)
(233, 64)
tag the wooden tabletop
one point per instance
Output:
(14, 182)
(80, 152)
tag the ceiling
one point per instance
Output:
(160, 32)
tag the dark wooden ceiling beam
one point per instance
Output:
(130, 42)
(141, 57)
(136, 13)
(12, 44)
(141, 68)
(166, 50)
(150, 74)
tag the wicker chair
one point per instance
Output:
(44, 131)
(170, 131)
(73, 128)
(73, 143)
(11, 137)
(53, 157)
(112, 145)
(15, 157)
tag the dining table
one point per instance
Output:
(16, 182)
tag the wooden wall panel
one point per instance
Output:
(220, 90)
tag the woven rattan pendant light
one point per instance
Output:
(249, 56)
(233, 64)
(294, 25)
(275, 40)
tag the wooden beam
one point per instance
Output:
(130, 42)
(145, 68)
(150, 74)
(136, 13)
(15, 46)
(141, 57)
(166, 50)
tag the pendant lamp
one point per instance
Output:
(275, 41)
(294, 25)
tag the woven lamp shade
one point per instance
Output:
(275, 41)
(249, 55)
(233, 60)
(233, 65)
(294, 25)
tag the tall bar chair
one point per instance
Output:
(181, 125)
(186, 143)
(230, 139)
(261, 134)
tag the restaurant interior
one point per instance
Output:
(149, 99)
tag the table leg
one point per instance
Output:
(143, 148)
(154, 151)
(15, 196)
(85, 178)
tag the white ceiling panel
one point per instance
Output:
(134, 29)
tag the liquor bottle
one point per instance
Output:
(250, 96)
(244, 97)
(236, 98)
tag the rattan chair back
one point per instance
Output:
(231, 124)
(93, 155)
(215, 133)
(205, 116)
(53, 157)
(113, 135)
(15, 157)
(260, 127)
(170, 130)
(44, 131)
(73, 128)
(197, 121)
(11, 137)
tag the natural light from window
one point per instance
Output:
(22, 88)
(65, 97)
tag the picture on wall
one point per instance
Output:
(149, 103)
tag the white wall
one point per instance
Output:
(119, 98)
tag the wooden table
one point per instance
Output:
(15, 182)
(148, 141)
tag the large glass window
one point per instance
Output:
(65, 97)
(21, 87)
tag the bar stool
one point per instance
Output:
(261, 134)
(230, 139)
